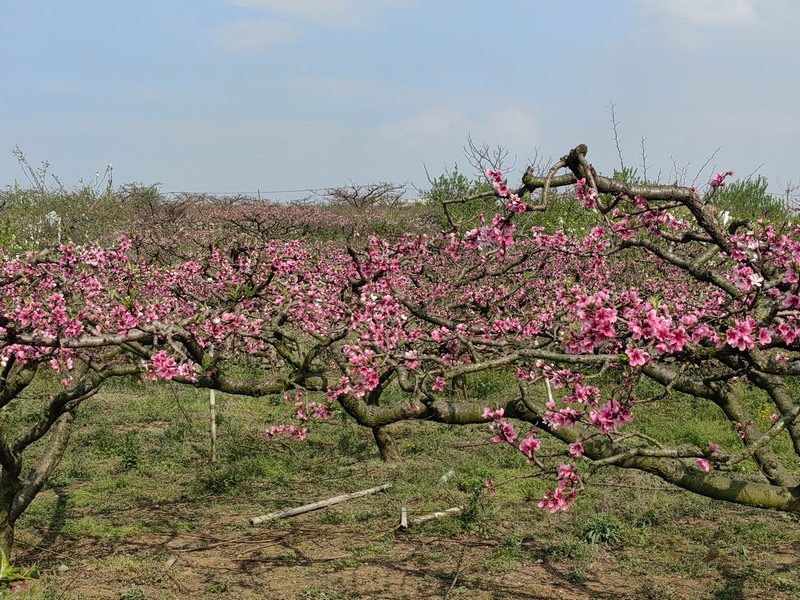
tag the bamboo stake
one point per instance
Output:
(212, 404)
(403, 518)
(299, 510)
(213, 407)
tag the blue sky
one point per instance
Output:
(245, 95)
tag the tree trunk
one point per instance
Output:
(7, 533)
(388, 448)
(8, 490)
(459, 387)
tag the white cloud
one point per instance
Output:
(709, 13)
(511, 127)
(339, 13)
(255, 34)
(433, 125)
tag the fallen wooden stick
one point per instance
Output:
(299, 510)
(430, 517)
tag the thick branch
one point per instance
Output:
(33, 482)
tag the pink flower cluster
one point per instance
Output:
(740, 336)
(305, 411)
(500, 234)
(586, 194)
(291, 431)
(503, 430)
(496, 177)
(560, 499)
(530, 445)
(610, 417)
(516, 205)
(163, 366)
(719, 180)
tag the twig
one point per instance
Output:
(615, 130)
(644, 158)
(705, 164)
(240, 540)
(458, 572)
(181, 407)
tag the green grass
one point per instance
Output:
(136, 487)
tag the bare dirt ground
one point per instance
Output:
(136, 512)
(310, 559)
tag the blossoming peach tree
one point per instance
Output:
(72, 318)
(658, 299)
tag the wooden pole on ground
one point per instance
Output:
(429, 517)
(299, 510)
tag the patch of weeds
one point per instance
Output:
(90, 527)
(655, 591)
(16, 575)
(763, 532)
(474, 479)
(347, 563)
(176, 432)
(274, 471)
(651, 517)
(738, 550)
(126, 567)
(50, 590)
(445, 527)
(219, 587)
(128, 449)
(784, 585)
(577, 574)
(132, 593)
(319, 593)
(331, 517)
(573, 549)
(533, 491)
(692, 563)
(287, 556)
(79, 467)
(509, 553)
(603, 529)
(356, 446)
(486, 384)
(733, 589)
(641, 535)
(364, 516)
(220, 479)
(109, 493)
(178, 526)
(480, 514)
